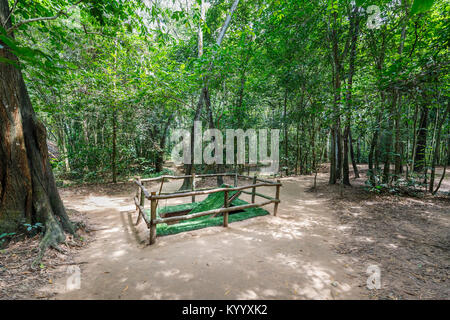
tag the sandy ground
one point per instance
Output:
(290, 256)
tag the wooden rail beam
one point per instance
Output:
(139, 183)
(205, 213)
(141, 212)
(192, 193)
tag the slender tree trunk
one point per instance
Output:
(345, 164)
(396, 101)
(419, 161)
(336, 150)
(352, 155)
(413, 148)
(354, 30)
(297, 143)
(443, 172)
(162, 145)
(397, 143)
(448, 150)
(204, 92)
(387, 149)
(373, 156)
(333, 178)
(114, 147)
(436, 147)
(358, 150)
(286, 142)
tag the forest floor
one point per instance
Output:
(408, 238)
(318, 247)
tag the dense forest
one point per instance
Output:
(102, 84)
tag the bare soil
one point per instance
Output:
(18, 280)
(285, 257)
(407, 238)
(318, 247)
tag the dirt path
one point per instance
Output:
(285, 257)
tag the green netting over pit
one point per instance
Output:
(213, 201)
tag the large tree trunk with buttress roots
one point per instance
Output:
(28, 191)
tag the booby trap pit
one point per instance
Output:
(221, 206)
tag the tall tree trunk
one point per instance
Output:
(297, 143)
(358, 150)
(114, 147)
(352, 154)
(448, 150)
(333, 178)
(387, 148)
(188, 167)
(436, 147)
(397, 143)
(286, 142)
(162, 145)
(204, 92)
(373, 157)
(27, 187)
(345, 164)
(419, 159)
(354, 30)
(413, 147)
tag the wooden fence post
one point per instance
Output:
(225, 205)
(160, 189)
(277, 196)
(141, 197)
(254, 189)
(152, 219)
(193, 186)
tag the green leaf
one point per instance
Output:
(420, 6)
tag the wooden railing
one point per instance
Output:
(153, 197)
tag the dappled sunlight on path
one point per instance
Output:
(283, 257)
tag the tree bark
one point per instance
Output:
(28, 191)
(436, 147)
(114, 146)
(419, 159)
(387, 149)
(162, 145)
(345, 164)
(286, 141)
(352, 154)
